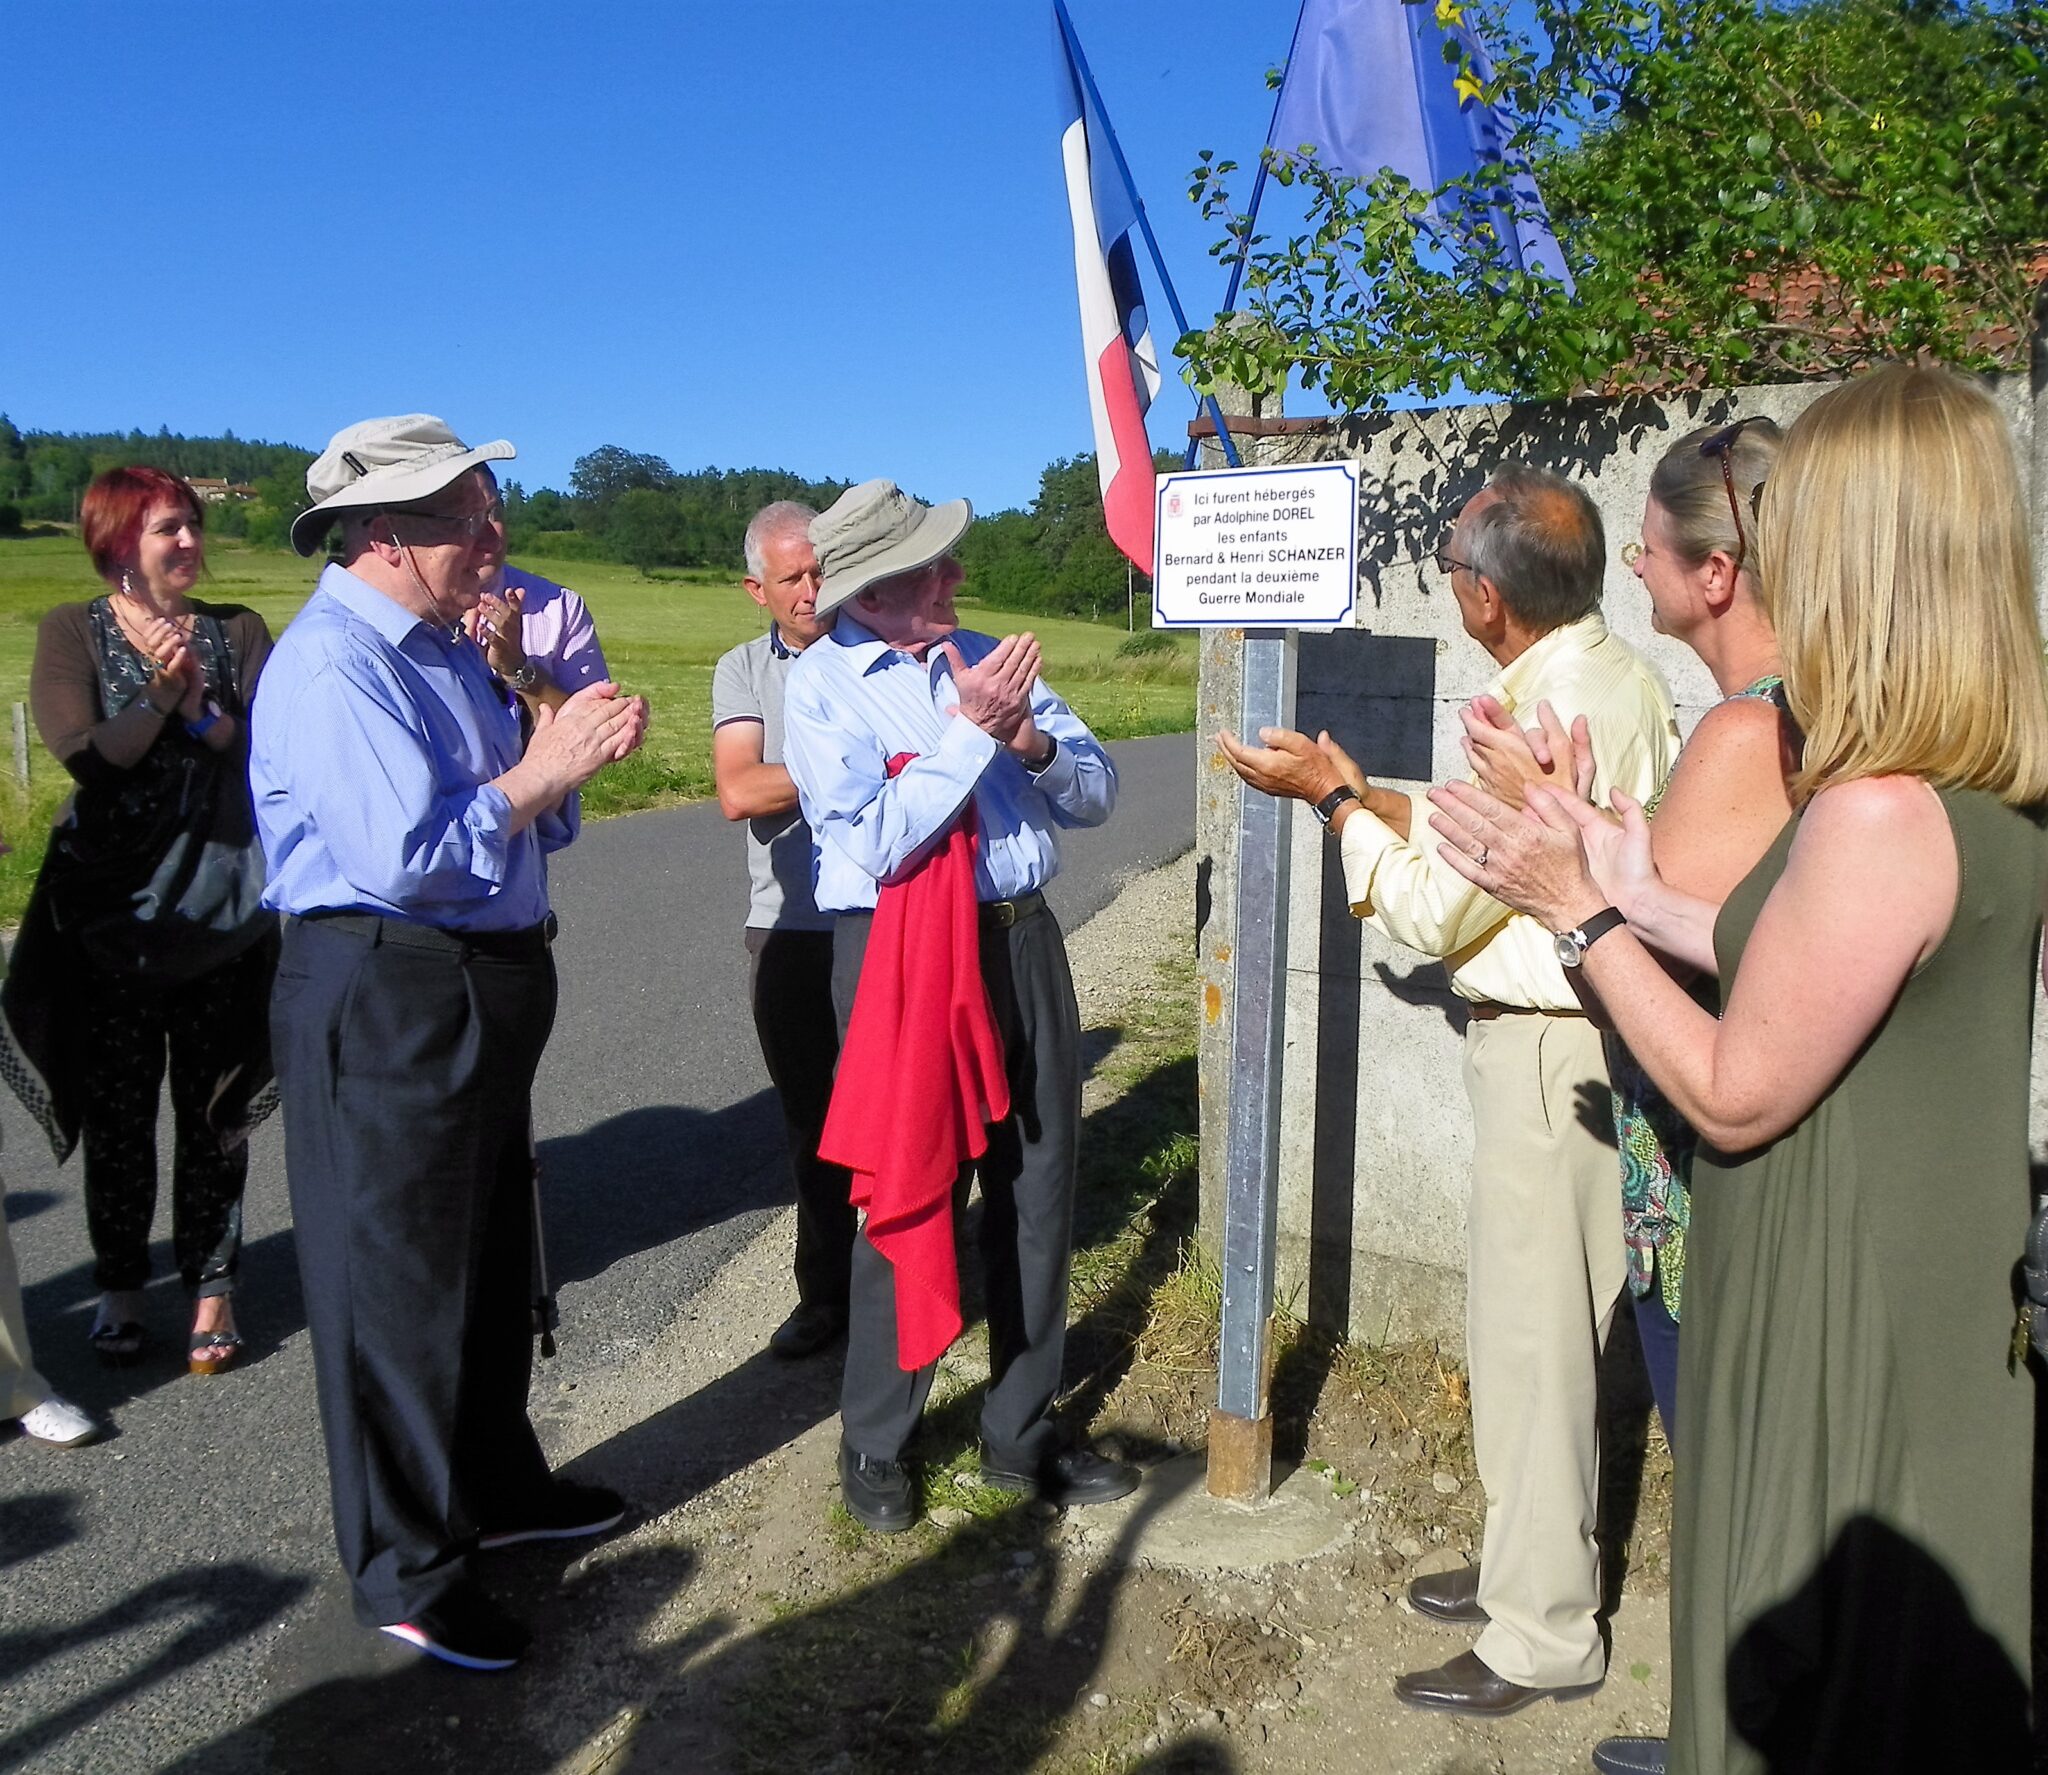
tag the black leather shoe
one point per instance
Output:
(878, 1494)
(1466, 1686)
(1449, 1596)
(1629, 1756)
(805, 1332)
(1073, 1476)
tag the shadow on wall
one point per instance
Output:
(1405, 509)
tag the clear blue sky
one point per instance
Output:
(817, 236)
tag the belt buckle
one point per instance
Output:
(1002, 913)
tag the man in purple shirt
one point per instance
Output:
(538, 637)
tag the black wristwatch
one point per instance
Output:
(1571, 946)
(523, 677)
(1052, 751)
(1326, 809)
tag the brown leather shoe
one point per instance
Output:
(1449, 1596)
(1467, 1686)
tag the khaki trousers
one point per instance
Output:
(21, 1388)
(1545, 1267)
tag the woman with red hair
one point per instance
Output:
(146, 935)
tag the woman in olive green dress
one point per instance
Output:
(1853, 1546)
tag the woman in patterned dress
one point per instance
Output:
(1716, 814)
(145, 937)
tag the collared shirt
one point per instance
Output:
(1404, 890)
(748, 685)
(556, 631)
(854, 702)
(374, 740)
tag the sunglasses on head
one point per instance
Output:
(1721, 446)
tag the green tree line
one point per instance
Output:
(43, 473)
(1052, 557)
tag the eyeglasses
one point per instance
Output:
(1721, 446)
(1448, 563)
(471, 524)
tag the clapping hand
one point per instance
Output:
(1289, 763)
(996, 694)
(497, 624)
(179, 681)
(1559, 859)
(595, 727)
(1508, 762)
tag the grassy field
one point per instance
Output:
(661, 638)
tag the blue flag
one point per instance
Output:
(1368, 87)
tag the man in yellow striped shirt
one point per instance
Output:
(1544, 1257)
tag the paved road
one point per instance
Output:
(146, 1584)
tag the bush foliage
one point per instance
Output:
(1745, 190)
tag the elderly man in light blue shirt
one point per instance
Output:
(964, 717)
(406, 829)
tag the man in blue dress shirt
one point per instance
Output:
(406, 833)
(896, 675)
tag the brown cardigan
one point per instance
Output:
(64, 690)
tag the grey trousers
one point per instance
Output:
(1027, 1213)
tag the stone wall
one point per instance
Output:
(1376, 1134)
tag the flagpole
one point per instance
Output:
(1251, 221)
(1244, 246)
(1180, 319)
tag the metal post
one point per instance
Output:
(1241, 1428)
(21, 744)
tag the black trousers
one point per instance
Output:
(1027, 1212)
(129, 1026)
(407, 1075)
(793, 1016)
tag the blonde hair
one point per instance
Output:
(1895, 568)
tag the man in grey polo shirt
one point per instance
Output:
(788, 937)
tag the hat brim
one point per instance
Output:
(399, 485)
(937, 532)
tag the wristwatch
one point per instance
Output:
(1052, 751)
(523, 677)
(1572, 945)
(1326, 809)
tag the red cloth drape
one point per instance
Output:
(920, 1078)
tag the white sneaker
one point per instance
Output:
(59, 1423)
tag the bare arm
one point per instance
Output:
(747, 787)
(1726, 803)
(1866, 897)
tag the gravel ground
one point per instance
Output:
(742, 1622)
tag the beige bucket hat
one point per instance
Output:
(876, 530)
(379, 462)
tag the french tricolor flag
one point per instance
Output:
(1116, 341)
